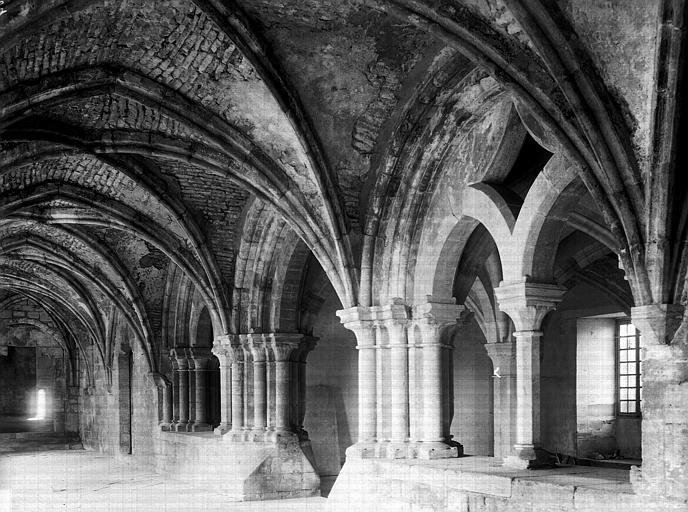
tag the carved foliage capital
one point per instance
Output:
(528, 303)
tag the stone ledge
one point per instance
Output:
(480, 484)
(240, 471)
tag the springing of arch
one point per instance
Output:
(549, 85)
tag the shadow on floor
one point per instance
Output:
(20, 423)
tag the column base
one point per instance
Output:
(432, 450)
(362, 450)
(180, 426)
(528, 456)
(165, 427)
(222, 429)
(200, 427)
(282, 436)
(258, 435)
(398, 450)
(235, 436)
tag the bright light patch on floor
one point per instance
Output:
(40, 406)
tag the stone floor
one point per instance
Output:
(69, 481)
(20, 423)
(76, 480)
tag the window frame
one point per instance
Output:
(638, 372)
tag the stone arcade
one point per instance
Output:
(367, 254)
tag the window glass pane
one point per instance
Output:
(629, 368)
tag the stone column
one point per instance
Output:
(306, 345)
(503, 356)
(432, 318)
(175, 391)
(165, 387)
(415, 362)
(221, 350)
(270, 387)
(247, 385)
(664, 403)
(359, 320)
(382, 413)
(183, 371)
(257, 347)
(394, 319)
(236, 355)
(527, 304)
(282, 347)
(201, 358)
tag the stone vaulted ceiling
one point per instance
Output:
(135, 136)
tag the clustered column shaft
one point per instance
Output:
(264, 401)
(397, 355)
(189, 388)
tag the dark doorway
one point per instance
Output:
(18, 393)
(126, 364)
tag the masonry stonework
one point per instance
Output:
(381, 251)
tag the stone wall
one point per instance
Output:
(473, 424)
(333, 387)
(34, 360)
(102, 426)
(561, 413)
(18, 381)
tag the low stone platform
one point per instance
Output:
(481, 484)
(239, 471)
(69, 481)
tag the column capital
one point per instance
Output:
(356, 314)
(394, 318)
(306, 345)
(255, 343)
(228, 347)
(200, 357)
(527, 303)
(439, 313)
(360, 320)
(160, 380)
(657, 323)
(503, 356)
(181, 356)
(282, 345)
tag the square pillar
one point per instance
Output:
(664, 404)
